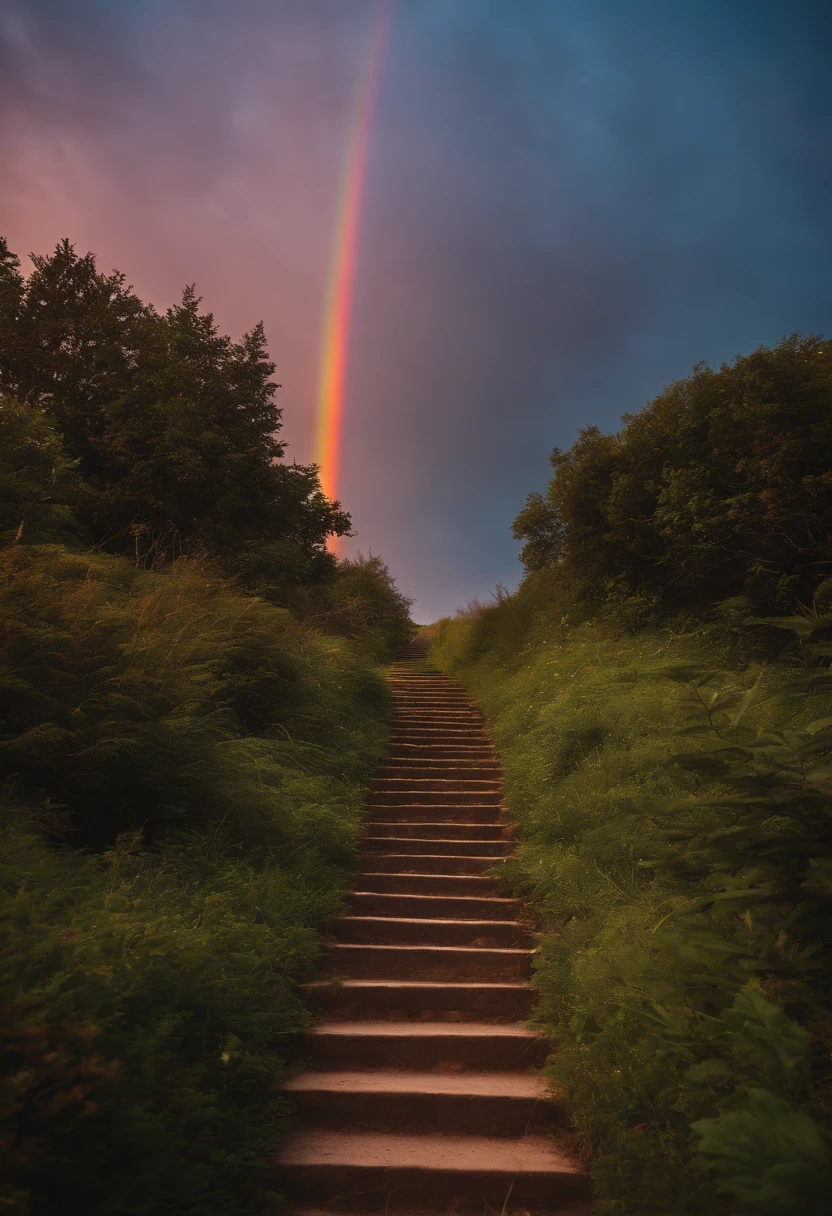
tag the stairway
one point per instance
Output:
(422, 1093)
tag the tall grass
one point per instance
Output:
(685, 987)
(183, 769)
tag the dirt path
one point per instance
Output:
(423, 1094)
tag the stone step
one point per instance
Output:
(400, 671)
(447, 1047)
(338, 1209)
(413, 782)
(442, 697)
(419, 696)
(413, 797)
(423, 687)
(465, 963)
(437, 829)
(426, 931)
(465, 745)
(468, 736)
(447, 714)
(463, 773)
(480, 748)
(421, 812)
(414, 791)
(397, 1174)
(449, 732)
(438, 846)
(400, 682)
(455, 728)
(387, 882)
(442, 770)
(460, 907)
(419, 1000)
(388, 1100)
(426, 752)
(423, 680)
(426, 749)
(425, 863)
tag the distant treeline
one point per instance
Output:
(192, 711)
(720, 487)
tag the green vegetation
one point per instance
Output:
(192, 712)
(669, 775)
(720, 486)
(171, 425)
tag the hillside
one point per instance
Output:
(194, 707)
(666, 728)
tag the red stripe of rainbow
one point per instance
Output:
(339, 296)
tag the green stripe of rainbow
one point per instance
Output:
(339, 296)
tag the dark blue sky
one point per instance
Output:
(568, 205)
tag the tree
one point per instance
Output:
(363, 602)
(720, 486)
(38, 484)
(173, 425)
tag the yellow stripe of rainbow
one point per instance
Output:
(339, 295)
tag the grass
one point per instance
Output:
(183, 771)
(685, 987)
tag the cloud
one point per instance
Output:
(568, 205)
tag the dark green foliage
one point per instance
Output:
(38, 484)
(142, 700)
(770, 1155)
(153, 1005)
(363, 603)
(173, 425)
(721, 486)
(151, 996)
(675, 816)
(183, 762)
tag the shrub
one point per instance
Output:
(673, 821)
(38, 484)
(719, 487)
(161, 700)
(184, 771)
(151, 1005)
(361, 602)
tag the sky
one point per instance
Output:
(568, 204)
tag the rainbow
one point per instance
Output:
(339, 293)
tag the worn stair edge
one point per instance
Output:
(504, 1002)
(471, 1170)
(469, 1103)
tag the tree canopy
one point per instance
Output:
(172, 426)
(721, 486)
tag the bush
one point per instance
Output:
(361, 602)
(38, 484)
(166, 700)
(184, 771)
(682, 890)
(151, 1004)
(719, 487)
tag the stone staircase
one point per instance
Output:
(422, 1093)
